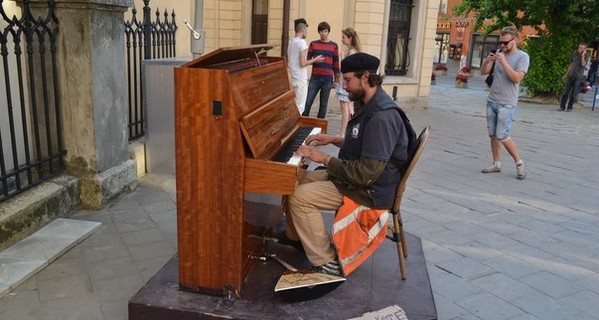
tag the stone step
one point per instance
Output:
(28, 256)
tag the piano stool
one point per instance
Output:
(373, 286)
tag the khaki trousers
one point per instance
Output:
(304, 221)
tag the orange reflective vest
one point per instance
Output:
(357, 232)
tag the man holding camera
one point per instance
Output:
(574, 77)
(510, 66)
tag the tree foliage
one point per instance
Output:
(560, 24)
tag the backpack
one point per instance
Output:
(412, 138)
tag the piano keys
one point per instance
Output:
(235, 117)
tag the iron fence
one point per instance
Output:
(145, 39)
(31, 145)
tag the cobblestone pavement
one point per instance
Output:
(496, 247)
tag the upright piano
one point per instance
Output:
(236, 125)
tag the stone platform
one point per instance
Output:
(373, 286)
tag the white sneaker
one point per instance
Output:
(492, 168)
(520, 171)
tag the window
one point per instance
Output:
(398, 57)
(441, 48)
(443, 7)
(481, 46)
(259, 21)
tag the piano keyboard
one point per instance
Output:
(287, 153)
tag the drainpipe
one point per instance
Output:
(198, 35)
(285, 36)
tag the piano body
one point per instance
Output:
(234, 113)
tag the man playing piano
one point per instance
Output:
(367, 168)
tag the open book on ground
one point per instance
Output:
(306, 285)
(301, 279)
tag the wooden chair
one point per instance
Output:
(396, 228)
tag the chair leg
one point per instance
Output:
(402, 262)
(402, 236)
(401, 247)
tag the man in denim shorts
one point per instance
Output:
(511, 64)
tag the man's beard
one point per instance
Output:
(358, 95)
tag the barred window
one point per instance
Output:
(398, 56)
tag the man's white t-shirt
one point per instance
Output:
(297, 72)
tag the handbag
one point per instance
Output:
(489, 79)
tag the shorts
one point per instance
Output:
(499, 120)
(301, 93)
(341, 95)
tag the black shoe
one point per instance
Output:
(569, 109)
(282, 238)
(561, 109)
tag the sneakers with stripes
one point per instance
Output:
(331, 268)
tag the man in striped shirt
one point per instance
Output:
(325, 74)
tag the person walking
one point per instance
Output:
(593, 70)
(574, 77)
(297, 66)
(511, 65)
(325, 74)
(351, 41)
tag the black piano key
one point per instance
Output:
(296, 140)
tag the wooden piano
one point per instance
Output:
(234, 116)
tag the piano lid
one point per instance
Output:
(228, 55)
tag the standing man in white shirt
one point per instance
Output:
(297, 63)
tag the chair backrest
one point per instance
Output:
(401, 187)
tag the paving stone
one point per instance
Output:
(584, 301)
(544, 307)
(465, 268)
(551, 284)
(488, 306)
(503, 286)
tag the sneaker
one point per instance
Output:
(492, 168)
(332, 268)
(520, 171)
(282, 238)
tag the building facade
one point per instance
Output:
(400, 32)
(457, 40)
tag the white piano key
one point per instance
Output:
(297, 160)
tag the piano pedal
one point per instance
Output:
(265, 256)
(264, 239)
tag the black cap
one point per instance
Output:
(359, 62)
(300, 20)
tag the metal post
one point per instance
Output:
(147, 30)
(285, 35)
(198, 35)
(595, 95)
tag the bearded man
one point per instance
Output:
(367, 169)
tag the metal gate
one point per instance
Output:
(31, 145)
(145, 39)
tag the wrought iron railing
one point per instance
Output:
(31, 144)
(398, 39)
(145, 40)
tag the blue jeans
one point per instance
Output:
(571, 91)
(323, 85)
(499, 120)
